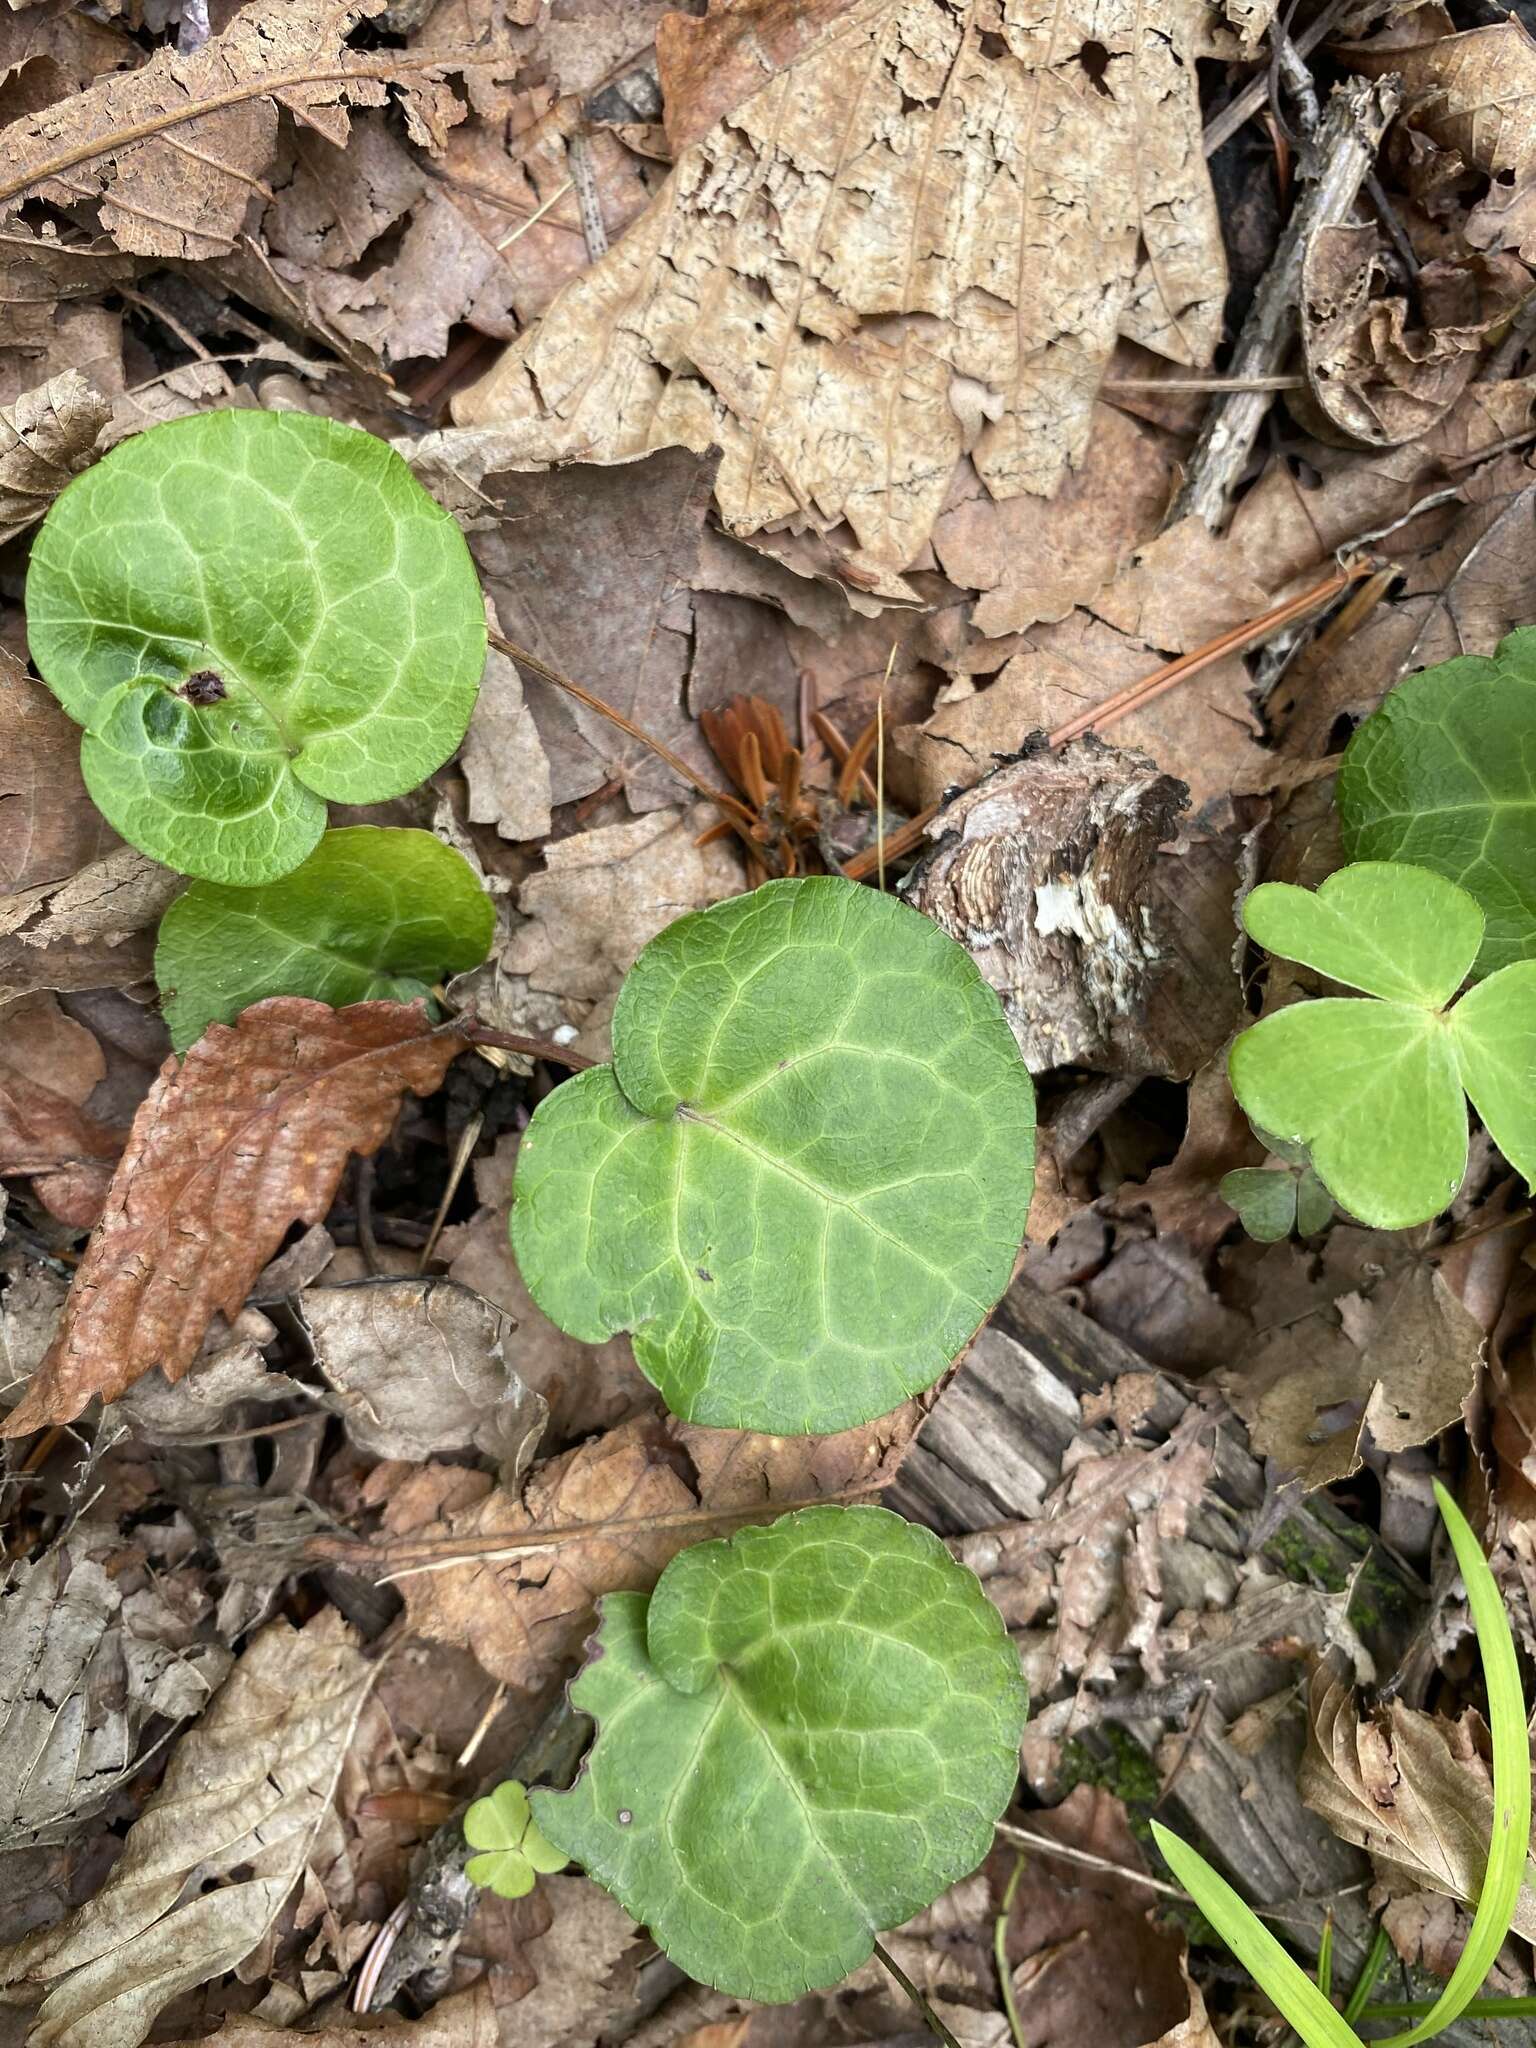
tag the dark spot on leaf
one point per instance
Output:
(204, 688)
(703, 1275)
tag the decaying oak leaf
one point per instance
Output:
(46, 437)
(923, 233)
(1412, 1789)
(250, 1786)
(185, 192)
(246, 1135)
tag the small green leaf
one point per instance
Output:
(1264, 1200)
(251, 612)
(1444, 776)
(804, 1179)
(518, 1850)
(804, 1737)
(1282, 1980)
(373, 914)
(1376, 1090)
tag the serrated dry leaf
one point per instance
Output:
(417, 1367)
(925, 230)
(185, 192)
(1412, 1789)
(250, 1785)
(46, 437)
(84, 1670)
(246, 1135)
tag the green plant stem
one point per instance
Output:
(1370, 1970)
(931, 2020)
(1325, 1958)
(1000, 1951)
(1511, 2008)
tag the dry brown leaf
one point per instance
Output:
(418, 1367)
(604, 894)
(920, 235)
(95, 930)
(88, 1659)
(40, 278)
(1378, 378)
(46, 437)
(246, 1135)
(464, 2019)
(250, 1786)
(1412, 1789)
(562, 1962)
(48, 825)
(1309, 1394)
(49, 1065)
(525, 1618)
(184, 192)
(502, 758)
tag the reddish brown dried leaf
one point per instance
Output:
(246, 1135)
(45, 1134)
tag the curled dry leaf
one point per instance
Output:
(245, 1136)
(184, 193)
(87, 1662)
(250, 1785)
(919, 234)
(46, 437)
(1377, 378)
(1412, 1789)
(420, 1366)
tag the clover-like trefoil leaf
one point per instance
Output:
(1376, 1090)
(1444, 776)
(249, 613)
(803, 1181)
(804, 1737)
(374, 913)
(516, 1850)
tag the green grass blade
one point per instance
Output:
(1284, 1981)
(1511, 1783)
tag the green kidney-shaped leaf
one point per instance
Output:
(1376, 1090)
(803, 1180)
(516, 1850)
(373, 914)
(1444, 776)
(805, 1736)
(249, 613)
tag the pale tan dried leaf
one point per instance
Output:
(917, 225)
(604, 894)
(417, 1367)
(251, 1784)
(1309, 1394)
(48, 825)
(464, 2019)
(246, 1135)
(502, 760)
(1382, 371)
(83, 1672)
(184, 191)
(46, 437)
(562, 1962)
(1412, 1789)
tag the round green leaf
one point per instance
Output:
(1396, 931)
(805, 1736)
(1265, 1200)
(517, 1850)
(372, 914)
(804, 1179)
(251, 612)
(1494, 1028)
(1444, 776)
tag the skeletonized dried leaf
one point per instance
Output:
(184, 193)
(246, 1135)
(251, 1784)
(46, 438)
(917, 235)
(1413, 1789)
(420, 1366)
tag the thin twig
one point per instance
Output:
(469, 1137)
(1221, 127)
(479, 1036)
(931, 2020)
(1000, 1953)
(1027, 1838)
(533, 218)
